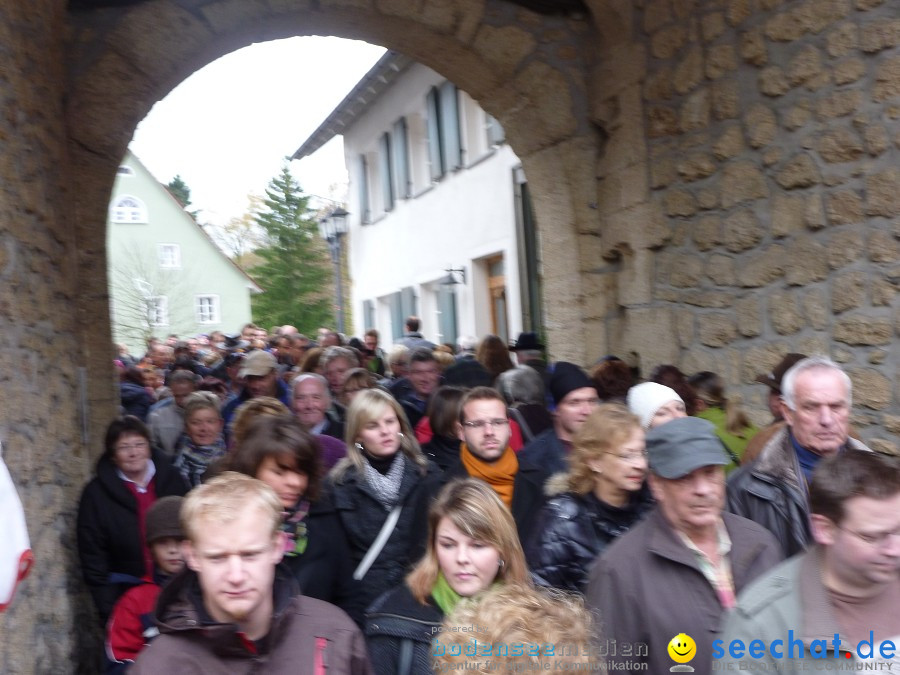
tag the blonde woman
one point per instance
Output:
(377, 492)
(472, 546)
(601, 497)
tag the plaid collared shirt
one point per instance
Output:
(718, 575)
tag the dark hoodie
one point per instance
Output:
(306, 636)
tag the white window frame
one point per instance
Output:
(213, 316)
(128, 209)
(124, 170)
(171, 262)
(158, 310)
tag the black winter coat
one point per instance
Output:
(109, 535)
(528, 494)
(442, 450)
(396, 623)
(571, 533)
(361, 515)
(324, 570)
(547, 452)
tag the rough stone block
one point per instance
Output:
(705, 232)
(717, 330)
(763, 358)
(840, 145)
(883, 292)
(742, 181)
(657, 13)
(787, 214)
(815, 309)
(876, 138)
(761, 125)
(749, 316)
(848, 291)
(844, 248)
(720, 269)
(729, 144)
(800, 171)
(712, 26)
(663, 172)
(849, 71)
(658, 85)
(679, 203)
(843, 40)
(814, 216)
(795, 117)
(708, 299)
(504, 47)
(863, 330)
(661, 121)
(887, 80)
(695, 111)
(880, 35)
(773, 81)
(726, 103)
(883, 247)
(708, 198)
(720, 59)
(666, 43)
(870, 389)
(684, 326)
(785, 27)
(742, 231)
(763, 267)
(739, 11)
(784, 313)
(689, 72)
(805, 66)
(883, 193)
(696, 166)
(844, 208)
(753, 47)
(808, 261)
(839, 104)
(866, 5)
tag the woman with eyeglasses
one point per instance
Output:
(131, 475)
(600, 498)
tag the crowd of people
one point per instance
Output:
(267, 500)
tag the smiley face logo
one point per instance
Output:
(682, 648)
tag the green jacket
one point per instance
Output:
(735, 444)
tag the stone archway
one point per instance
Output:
(531, 72)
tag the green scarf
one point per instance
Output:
(445, 597)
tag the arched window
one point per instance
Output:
(128, 209)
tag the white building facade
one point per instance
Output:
(440, 221)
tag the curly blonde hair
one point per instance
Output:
(608, 426)
(515, 628)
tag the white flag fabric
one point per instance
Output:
(15, 551)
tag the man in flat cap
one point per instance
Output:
(678, 571)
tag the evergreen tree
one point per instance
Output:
(295, 262)
(182, 193)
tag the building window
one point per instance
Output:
(128, 209)
(444, 145)
(365, 209)
(400, 158)
(125, 171)
(385, 162)
(169, 256)
(369, 314)
(158, 310)
(208, 309)
(495, 134)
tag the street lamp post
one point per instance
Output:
(332, 228)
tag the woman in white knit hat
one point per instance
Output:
(655, 404)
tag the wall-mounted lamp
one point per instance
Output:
(453, 276)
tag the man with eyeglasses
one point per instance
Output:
(485, 453)
(844, 592)
(680, 569)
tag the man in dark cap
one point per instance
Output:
(529, 351)
(575, 398)
(676, 573)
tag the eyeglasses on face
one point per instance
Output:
(498, 423)
(128, 447)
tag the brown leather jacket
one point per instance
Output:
(304, 632)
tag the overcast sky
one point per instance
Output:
(226, 128)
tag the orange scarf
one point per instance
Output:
(499, 475)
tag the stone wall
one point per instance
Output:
(772, 135)
(43, 359)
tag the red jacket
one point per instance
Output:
(131, 625)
